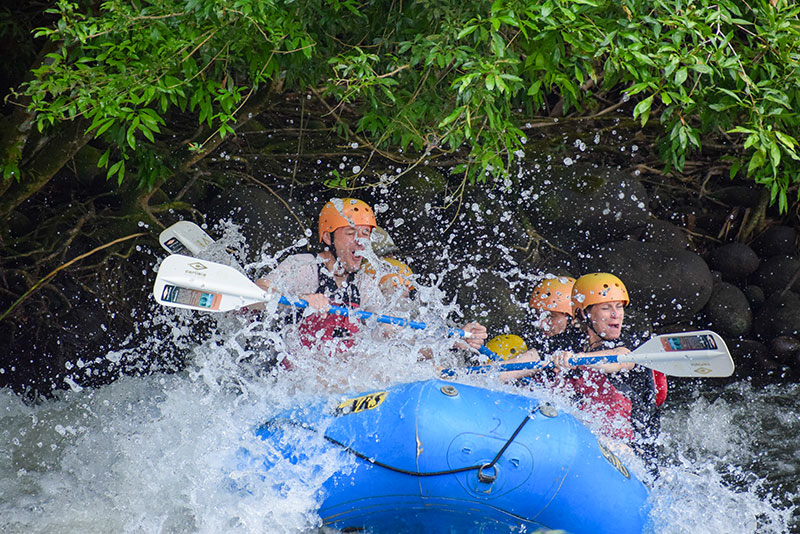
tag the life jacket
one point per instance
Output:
(661, 386)
(320, 328)
(597, 396)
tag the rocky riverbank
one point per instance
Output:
(690, 259)
(678, 255)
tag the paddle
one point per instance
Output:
(688, 354)
(184, 237)
(186, 282)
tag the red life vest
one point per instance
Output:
(660, 383)
(599, 398)
(319, 329)
(323, 330)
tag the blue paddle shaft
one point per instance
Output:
(385, 319)
(523, 366)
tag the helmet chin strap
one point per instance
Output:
(338, 268)
(590, 325)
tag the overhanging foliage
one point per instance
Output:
(432, 78)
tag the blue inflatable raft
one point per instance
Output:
(438, 457)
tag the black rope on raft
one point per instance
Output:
(483, 476)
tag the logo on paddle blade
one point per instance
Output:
(174, 245)
(190, 297)
(692, 342)
(198, 266)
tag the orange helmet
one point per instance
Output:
(553, 294)
(343, 212)
(595, 288)
(398, 274)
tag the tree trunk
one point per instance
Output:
(45, 163)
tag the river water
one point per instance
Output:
(154, 454)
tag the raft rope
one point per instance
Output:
(482, 476)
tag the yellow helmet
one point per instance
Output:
(507, 346)
(595, 288)
(398, 272)
(553, 294)
(343, 212)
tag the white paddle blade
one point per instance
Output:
(184, 237)
(689, 354)
(186, 282)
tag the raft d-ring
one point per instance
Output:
(547, 410)
(485, 477)
(450, 391)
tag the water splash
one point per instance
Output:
(158, 453)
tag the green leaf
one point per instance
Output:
(757, 161)
(119, 169)
(702, 69)
(11, 169)
(103, 160)
(681, 76)
(466, 31)
(130, 137)
(774, 155)
(643, 109)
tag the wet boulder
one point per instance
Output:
(778, 316)
(490, 234)
(778, 273)
(410, 213)
(267, 222)
(751, 358)
(784, 348)
(665, 234)
(734, 260)
(488, 299)
(755, 296)
(738, 195)
(776, 241)
(671, 286)
(728, 311)
(581, 205)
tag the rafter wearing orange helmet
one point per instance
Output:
(600, 299)
(553, 298)
(335, 276)
(344, 212)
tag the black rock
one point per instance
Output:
(728, 310)
(794, 362)
(734, 260)
(582, 205)
(666, 234)
(778, 316)
(777, 273)
(776, 241)
(738, 195)
(783, 347)
(669, 285)
(264, 221)
(755, 295)
(750, 357)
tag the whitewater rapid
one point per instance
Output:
(156, 453)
